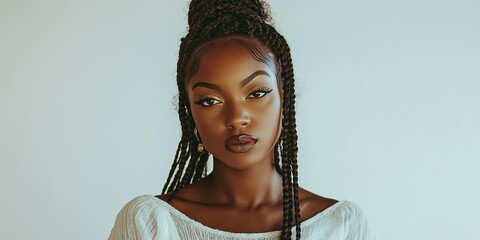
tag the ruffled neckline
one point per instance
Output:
(203, 227)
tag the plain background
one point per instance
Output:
(388, 110)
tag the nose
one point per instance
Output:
(237, 118)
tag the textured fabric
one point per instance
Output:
(147, 217)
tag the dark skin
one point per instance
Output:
(232, 94)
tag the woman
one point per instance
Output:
(236, 103)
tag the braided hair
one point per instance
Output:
(209, 20)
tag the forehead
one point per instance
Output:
(223, 59)
(227, 54)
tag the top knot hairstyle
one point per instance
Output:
(211, 20)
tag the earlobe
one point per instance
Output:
(200, 144)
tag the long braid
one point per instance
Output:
(174, 166)
(289, 91)
(183, 146)
(290, 149)
(194, 156)
(213, 19)
(201, 168)
(276, 158)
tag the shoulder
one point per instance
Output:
(344, 218)
(141, 207)
(143, 217)
(355, 221)
(141, 202)
(351, 212)
(345, 212)
(312, 204)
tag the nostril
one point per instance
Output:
(237, 125)
(239, 122)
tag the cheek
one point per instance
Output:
(268, 110)
(210, 124)
(268, 116)
(207, 118)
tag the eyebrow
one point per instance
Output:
(242, 84)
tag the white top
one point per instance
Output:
(147, 217)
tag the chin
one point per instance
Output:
(240, 161)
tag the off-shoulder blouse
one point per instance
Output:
(148, 218)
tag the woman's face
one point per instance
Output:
(236, 105)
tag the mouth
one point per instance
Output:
(240, 143)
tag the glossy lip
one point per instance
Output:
(240, 143)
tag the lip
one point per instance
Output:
(240, 143)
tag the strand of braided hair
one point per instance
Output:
(213, 19)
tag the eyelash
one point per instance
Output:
(203, 100)
(263, 90)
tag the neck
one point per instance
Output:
(245, 188)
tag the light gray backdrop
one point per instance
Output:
(388, 110)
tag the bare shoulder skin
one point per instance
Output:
(193, 202)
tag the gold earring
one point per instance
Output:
(200, 144)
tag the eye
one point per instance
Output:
(260, 93)
(207, 102)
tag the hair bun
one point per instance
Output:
(205, 12)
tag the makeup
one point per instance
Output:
(240, 143)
